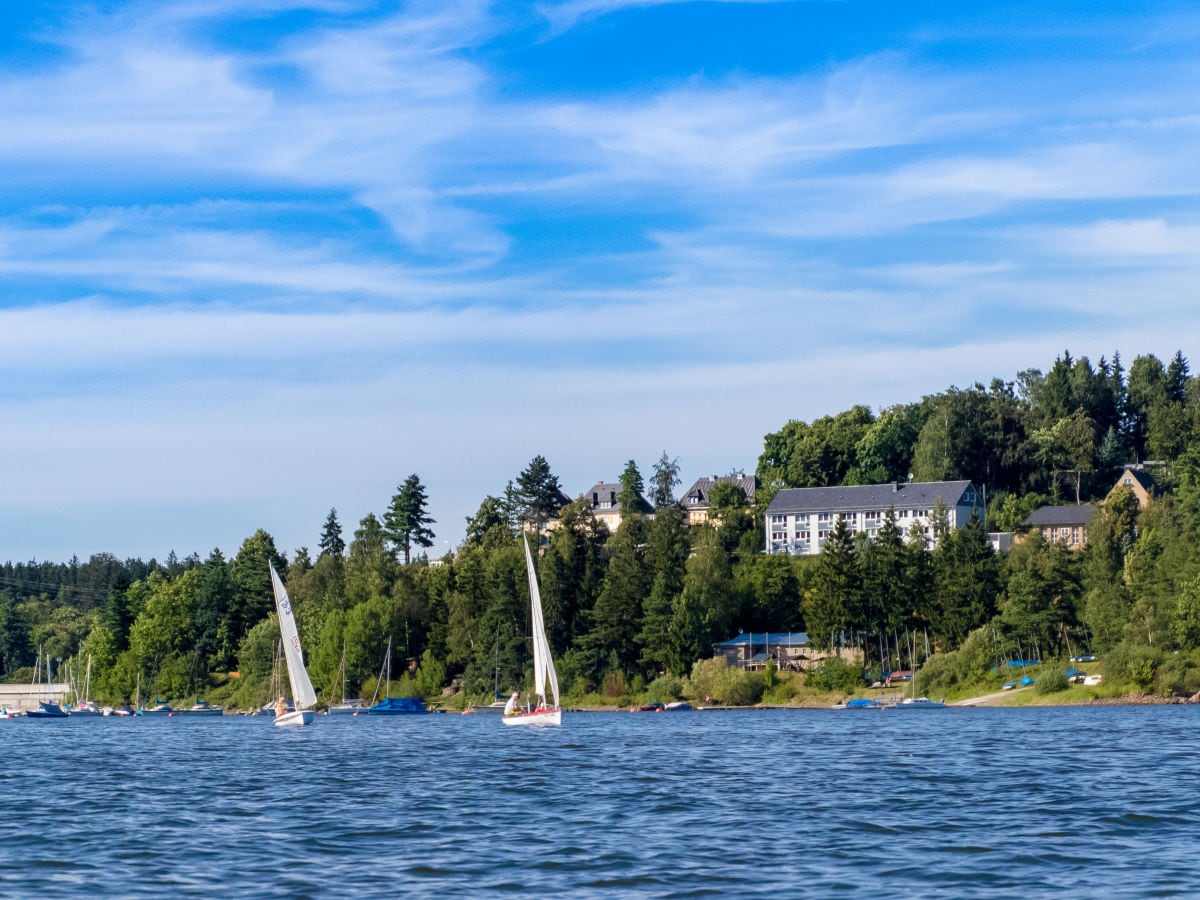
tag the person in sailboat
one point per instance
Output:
(510, 708)
(280, 707)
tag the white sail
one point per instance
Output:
(543, 663)
(303, 694)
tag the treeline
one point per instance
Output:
(650, 598)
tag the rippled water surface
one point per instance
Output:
(960, 802)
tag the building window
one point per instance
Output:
(1128, 481)
(779, 535)
(824, 517)
(778, 520)
(802, 536)
(1074, 535)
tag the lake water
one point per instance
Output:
(953, 803)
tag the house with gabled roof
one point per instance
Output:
(1141, 482)
(606, 507)
(695, 500)
(1062, 524)
(799, 520)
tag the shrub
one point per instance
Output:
(713, 679)
(665, 689)
(939, 674)
(737, 687)
(431, 675)
(783, 691)
(701, 684)
(614, 685)
(835, 674)
(1179, 675)
(1133, 665)
(1051, 682)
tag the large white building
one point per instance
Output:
(800, 519)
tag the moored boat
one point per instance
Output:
(47, 710)
(397, 706)
(203, 708)
(860, 703)
(918, 703)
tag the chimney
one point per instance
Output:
(895, 487)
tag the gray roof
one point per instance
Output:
(905, 495)
(1144, 478)
(609, 491)
(697, 494)
(1058, 516)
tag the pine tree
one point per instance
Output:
(331, 536)
(406, 519)
(630, 495)
(537, 492)
(835, 597)
(666, 558)
(616, 617)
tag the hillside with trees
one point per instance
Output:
(637, 609)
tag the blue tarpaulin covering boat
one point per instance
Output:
(397, 706)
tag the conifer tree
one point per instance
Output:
(331, 536)
(836, 594)
(406, 519)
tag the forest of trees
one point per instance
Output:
(648, 600)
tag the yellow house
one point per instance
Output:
(695, 500)
(1063, 524)
(1140, 482)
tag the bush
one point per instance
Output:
(784, 690)
(1134, 666)
(1051, 682)
(939, 674)
(835, 674)
(1180, 675)
(614, 685)
(431, 675)
(740, 688)
(713, 680)
(665, 689)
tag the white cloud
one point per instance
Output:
(1122, 241)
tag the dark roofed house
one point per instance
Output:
(606, 507)
(800, 519)
(1140, 482)
(695, 500)
(1064, 524)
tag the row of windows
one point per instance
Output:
(870, 517)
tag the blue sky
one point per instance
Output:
(260, 259)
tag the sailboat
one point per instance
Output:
(303, 694)
(915, 702)
(83, 703)
(346, 707)
(45, 708)
(543, 664)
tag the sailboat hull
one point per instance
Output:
(537, 717)
(294, 718)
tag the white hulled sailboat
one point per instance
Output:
(543, 664)
(303, 695)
